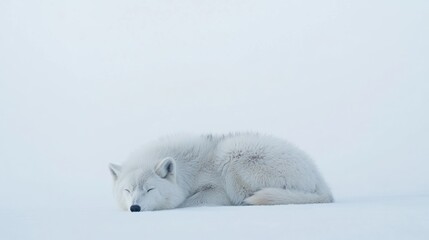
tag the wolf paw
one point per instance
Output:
(261, 197)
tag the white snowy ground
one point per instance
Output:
(359, 218)
(395, 217)
(84, 83)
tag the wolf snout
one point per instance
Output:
(135, 208)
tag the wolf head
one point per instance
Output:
(142, 189)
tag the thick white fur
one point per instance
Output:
(234, 169)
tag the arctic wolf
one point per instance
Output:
(234, 169)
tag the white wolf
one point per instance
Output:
(234, 169)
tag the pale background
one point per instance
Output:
(84, 83)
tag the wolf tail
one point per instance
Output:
(278, 196)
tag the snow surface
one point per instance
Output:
(84, 83)
(358, 218)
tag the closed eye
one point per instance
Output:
(150, 189)
(127, 190)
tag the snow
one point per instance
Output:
(84, 83)
(358, 218)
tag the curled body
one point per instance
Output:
(210, 170)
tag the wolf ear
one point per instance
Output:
(114, 170)
(166, 168)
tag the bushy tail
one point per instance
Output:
(278, 196)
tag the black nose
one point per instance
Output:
(135, 208)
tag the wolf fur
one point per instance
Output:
(234, 169)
